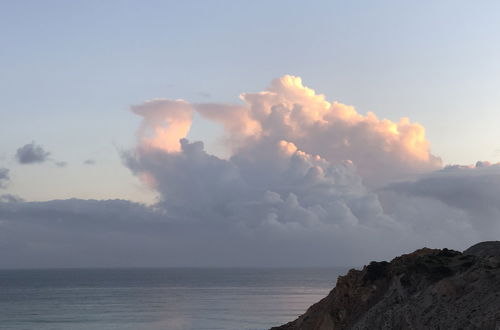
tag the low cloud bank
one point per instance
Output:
(349, 226)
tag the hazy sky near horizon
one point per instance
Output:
(257, 133)
(71, 70)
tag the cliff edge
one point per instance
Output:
(426, 289)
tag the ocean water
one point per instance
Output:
(153, 299)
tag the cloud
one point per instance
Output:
(164, 123)
(4, 177)
(204, 94)
(76, 233)
(90, 162)
(286, 142)
(302, 169)
(31, 153)
(313, 214)
(196, 185)
(306, 182)
(79, 233)
(61, 164)
(302, 203)
(9, 198)
(381, 150)
(471, 194)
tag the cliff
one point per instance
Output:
(426, 289)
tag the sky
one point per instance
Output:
(325, 126)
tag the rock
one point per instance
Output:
(484, 249)
(426, 289)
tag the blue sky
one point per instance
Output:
(69, 71)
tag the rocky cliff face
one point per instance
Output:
(426, 289)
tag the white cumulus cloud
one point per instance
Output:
(307, 181)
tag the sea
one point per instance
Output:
(159, 298)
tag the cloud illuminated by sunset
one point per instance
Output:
(381, 150)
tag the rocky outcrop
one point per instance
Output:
(426, 289)
(485, 249)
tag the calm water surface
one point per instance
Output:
(151, 299)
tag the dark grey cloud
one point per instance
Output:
(80, 233)
(61, 163)
(4, 177)
(89, 161)
(32, 153)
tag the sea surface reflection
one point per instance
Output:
(153, 299)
